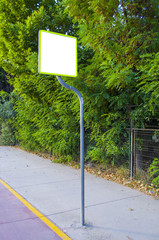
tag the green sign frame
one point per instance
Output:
(57, 54)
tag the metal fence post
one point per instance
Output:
(81, 142)
(131, 149)
(134, 152)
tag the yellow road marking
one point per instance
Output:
(37, 213)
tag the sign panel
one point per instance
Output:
(57, 54)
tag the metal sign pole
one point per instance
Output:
(81, 142)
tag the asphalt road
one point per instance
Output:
(112, 211)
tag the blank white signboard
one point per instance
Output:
(57, 54)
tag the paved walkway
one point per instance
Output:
(113, 212)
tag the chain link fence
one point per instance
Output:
(144, 145)
(144, 149)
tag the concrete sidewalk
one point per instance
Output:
(113, 212)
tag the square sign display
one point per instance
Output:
(57, 54)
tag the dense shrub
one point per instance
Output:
(6, 129)
(118, 45)
(154, 172)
